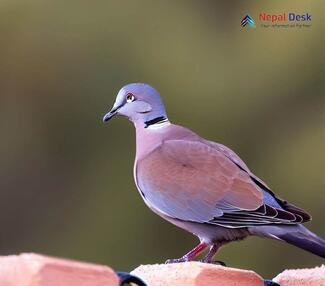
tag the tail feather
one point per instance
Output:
(297, 235)
(305, 239)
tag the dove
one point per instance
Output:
(201, 186)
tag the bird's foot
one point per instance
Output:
(177, 260)
(218, 262)
(190, 255)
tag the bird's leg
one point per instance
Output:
(190, 255)
(212, 252)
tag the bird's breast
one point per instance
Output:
(143, 193)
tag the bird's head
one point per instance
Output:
(140, 102)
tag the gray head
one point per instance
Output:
(140, 102)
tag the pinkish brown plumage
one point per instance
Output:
(202, 186)
(177, 169)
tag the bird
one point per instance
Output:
(202, 186)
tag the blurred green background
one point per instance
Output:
(66, 182)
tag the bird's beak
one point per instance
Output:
(110, 114)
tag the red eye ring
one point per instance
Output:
(130, 97)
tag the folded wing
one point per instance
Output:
(192, 181)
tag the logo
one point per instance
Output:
(284, 17)
(284, 20)
(247, 20)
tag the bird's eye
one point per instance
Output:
(130, 97)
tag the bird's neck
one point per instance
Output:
(157, 123)
(147, 139)
(152, 123)
(150, 134)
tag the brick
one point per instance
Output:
(302, 277)
(196, 274)
(39, 270)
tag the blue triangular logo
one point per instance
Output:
(248, 20)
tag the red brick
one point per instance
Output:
(196, 274)
(302, 277)
(39, 270)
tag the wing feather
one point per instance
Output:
(192, 181)
(197, 181)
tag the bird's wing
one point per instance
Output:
(231, 155)
(269, 197)
(192, 181)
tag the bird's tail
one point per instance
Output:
(301, 237)
(297, 235)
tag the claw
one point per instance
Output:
(176, 260)
(219, 262)
(190, 255)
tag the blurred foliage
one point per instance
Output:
(66, 181)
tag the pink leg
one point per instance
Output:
(212, 252)
(190, 255)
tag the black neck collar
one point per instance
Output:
(155, 121)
